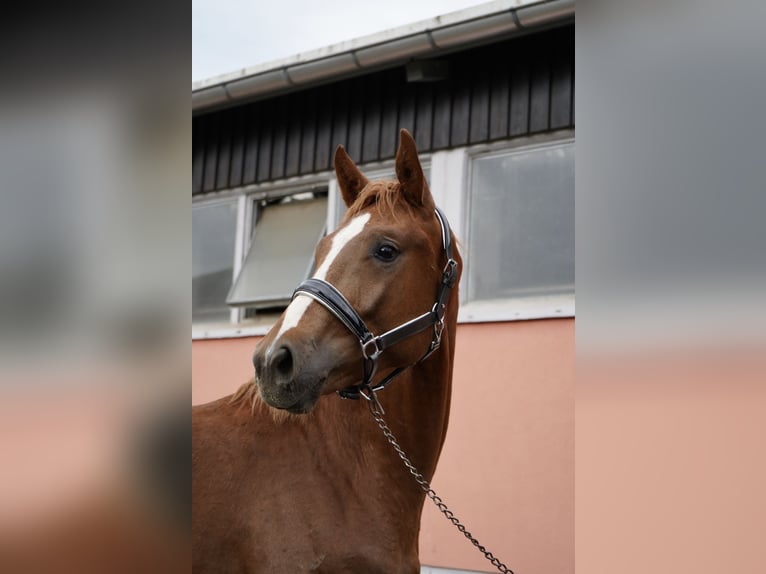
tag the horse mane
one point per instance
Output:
(248, 393)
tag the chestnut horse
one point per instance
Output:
(287, 476)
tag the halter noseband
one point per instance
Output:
(372, 346)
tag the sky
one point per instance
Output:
(228, 35)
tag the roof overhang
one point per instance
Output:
(427, 38)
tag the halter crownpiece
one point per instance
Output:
(372, 346)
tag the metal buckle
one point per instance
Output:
(439, 309)
(374, 352)
(438, 330)
(449, 275)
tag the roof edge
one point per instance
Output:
(426, 37)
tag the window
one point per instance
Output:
(214, 229)
(282, 250)
(512, 209)
(250, 251)
(521, 223)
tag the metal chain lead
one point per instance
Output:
(426, 487)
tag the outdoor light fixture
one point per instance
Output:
(427, 70)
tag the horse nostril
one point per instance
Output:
(282, 362)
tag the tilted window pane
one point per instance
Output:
(281, 253)
(522, 223)
(213, 234)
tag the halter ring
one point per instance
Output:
(373, 353)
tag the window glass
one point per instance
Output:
(213, 235)
(521, 224)
(281, 253)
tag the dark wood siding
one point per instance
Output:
(461, 101)
(424, 117)
(198, 153)
(237, 148)
(224, 152)
(519, 99)
(504, 90)
(211, 154)
(539, 92)
(372, 113)
(389, 119)
(324, 143)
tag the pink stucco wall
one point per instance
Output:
(507, 468)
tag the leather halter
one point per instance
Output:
(372, 345)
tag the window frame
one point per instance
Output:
(508, 308)
(246, 197)
(224, 199)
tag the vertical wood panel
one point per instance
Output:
(356, 119)
(279, 139)
(499, 100)
(389, 123)
(424, 117)
(572, 106)
(324, 142)
(561, 92)
(372, 111)
(519, 111)
(308, 137)
(251, 121)
(237, 147)
(340, 115)
(264, 140)
(295, 118)
(211, 156)
(442, 118)
(461, 103)
(479, 128)
(224, 151)
(406, 109)
(198, 152)
(539, 94)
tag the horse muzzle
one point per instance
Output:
(285, 381)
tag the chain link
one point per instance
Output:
(426, 487)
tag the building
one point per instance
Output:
(488, 93)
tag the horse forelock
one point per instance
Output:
(385, 195)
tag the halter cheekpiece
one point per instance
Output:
(372, 346)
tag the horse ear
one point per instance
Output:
(350, 179)
(412, 181)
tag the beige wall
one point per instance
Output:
(507, 469)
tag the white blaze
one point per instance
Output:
(298, 306)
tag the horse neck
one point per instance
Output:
(417, 406)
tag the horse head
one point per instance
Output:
(386, 259)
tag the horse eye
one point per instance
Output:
(386, 252)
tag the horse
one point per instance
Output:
(288, 477)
